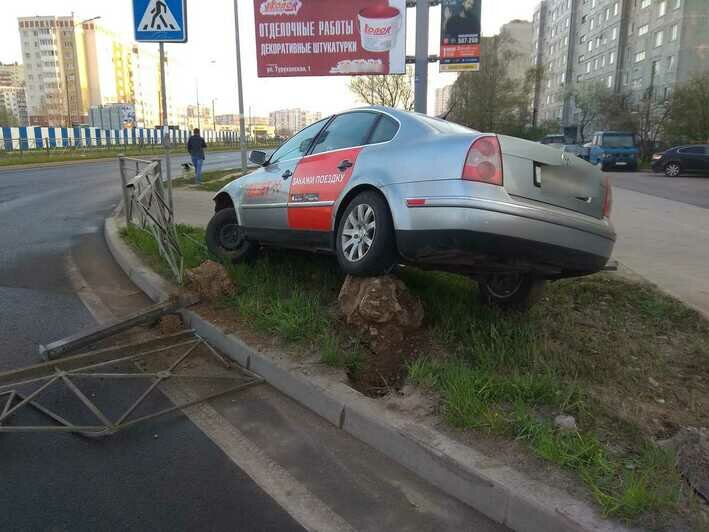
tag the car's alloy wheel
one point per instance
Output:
(358, 233)
(225, 238)
(365, 236)
(672, 169)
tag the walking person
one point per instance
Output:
(196, 147)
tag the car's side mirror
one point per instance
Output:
(257, 157)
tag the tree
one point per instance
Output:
(391, 90)
(589, 100)
(688, 120)
(7, 119)
(489, 100)
(651, 121)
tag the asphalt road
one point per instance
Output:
(693, 190)
(164, 477)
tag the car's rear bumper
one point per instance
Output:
(467, 233)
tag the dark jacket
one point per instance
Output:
(196, 146)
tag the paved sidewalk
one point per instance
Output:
(193, 207)
(665, 241)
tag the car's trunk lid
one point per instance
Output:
(548, 175)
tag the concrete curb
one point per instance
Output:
(155, 287)
(501, 493)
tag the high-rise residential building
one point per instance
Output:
(12, 93)
(289, 121)
(71, 66)
(519, 35)
(443, 98)
(12, 75)
(632, 46)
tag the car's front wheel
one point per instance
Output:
(225, 238)
(365, 236)
(673, 169)
(511, 291)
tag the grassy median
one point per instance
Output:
(212, 181)
(628, 362)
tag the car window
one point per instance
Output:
(618, 141)
(693, 150)
(298, 144)
(385, 130)
(346, 131)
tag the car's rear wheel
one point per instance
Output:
(673, 169)
(365, 236)
(225, 238)
(511, 291)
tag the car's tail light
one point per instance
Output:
(608, 198)
(484, 161)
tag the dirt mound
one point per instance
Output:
(210, 281)
(170, 324)
(384, 315)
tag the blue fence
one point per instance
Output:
(37, 138)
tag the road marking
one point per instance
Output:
(85, 293)
(289, 493)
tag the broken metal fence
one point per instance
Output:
(148, 204)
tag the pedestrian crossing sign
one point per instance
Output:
(160, 20)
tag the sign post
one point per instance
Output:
(162, 21)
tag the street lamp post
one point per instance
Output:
(240, 89)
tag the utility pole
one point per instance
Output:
(240, 89)
(421, 71)
(196, 81)
(214, 117)
(165, 126)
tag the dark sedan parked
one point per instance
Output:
(682, 159)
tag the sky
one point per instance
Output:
(208, 60)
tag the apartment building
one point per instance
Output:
(292, 120)
(519, 33)
(71, 66)
(443, 98)
(12, 92)
(628, 45)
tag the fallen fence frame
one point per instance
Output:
(92, 365)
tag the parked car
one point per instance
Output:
(614, 149)
(682, 159)
(378, 187)
(556, 141)
(579, 151)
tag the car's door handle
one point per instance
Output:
(287, 174)
(344, 165)
(585, 199)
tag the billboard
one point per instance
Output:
(327, 38)
(460, 35)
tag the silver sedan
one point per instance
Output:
(379, 187)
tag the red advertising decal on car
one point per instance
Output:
(318, 178)
(327, 38)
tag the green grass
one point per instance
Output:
(212, 181)
(590, 348)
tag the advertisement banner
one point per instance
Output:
(327, 38)
(460, 35)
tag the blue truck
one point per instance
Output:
(614, 149)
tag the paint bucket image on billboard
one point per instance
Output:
(379, 26)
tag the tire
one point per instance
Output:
(365, 241)
(225, 240)
(511, 291)
(673, 169)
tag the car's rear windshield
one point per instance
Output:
(442, 126)
(619, 141)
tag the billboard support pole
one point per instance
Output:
(240, 90)
(165, 126)
(421, 72)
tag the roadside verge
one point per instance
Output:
(494, 489)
